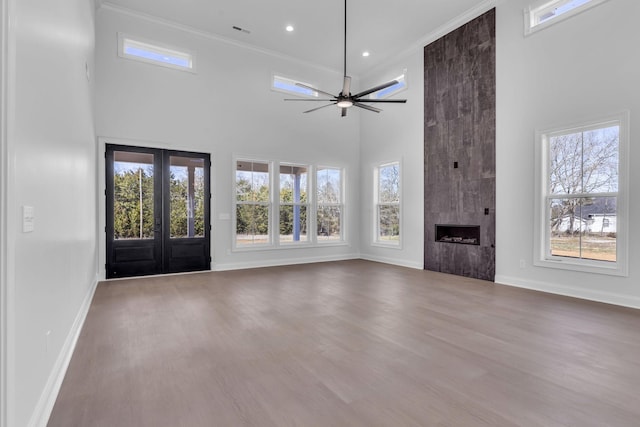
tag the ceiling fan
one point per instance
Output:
(345, 99)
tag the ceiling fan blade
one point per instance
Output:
(344, 112)
(395, 101)
(314, 109)
(315, 89)
(346, 86)
(375, 89)
(310, 99)
(367, 107)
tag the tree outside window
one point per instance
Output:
(330, 206)
(252, 203)
(294, 204)
(387, 230)
(582, 193)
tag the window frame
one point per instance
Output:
(534, 10)
(279, 205)
(159, 48)
(269, 204)
(542, 252)
(377, 204)
(274, 242)
(340, 205)
(387, 93)
(275, 76)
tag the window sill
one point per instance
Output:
(290, 246)
(387, 245)
(585, 266)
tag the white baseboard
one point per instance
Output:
(43, 409)
(281, 262)
(570, 291)
(393, 261)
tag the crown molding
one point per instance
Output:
(106, 5)
(439, 32)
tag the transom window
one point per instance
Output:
(151, 53)
(391, 90)
(583, 205)
(286, 85)
(545, 13)
(387, 204)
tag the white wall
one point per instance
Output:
(582, 68)
(226, 109)
(51, 156)
(396, 134)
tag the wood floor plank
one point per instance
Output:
(351, 343)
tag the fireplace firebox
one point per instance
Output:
(461, 234)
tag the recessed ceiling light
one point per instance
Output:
(289, 28)
(365, 53)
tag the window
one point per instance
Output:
(291, 214)
(283, 84)
(547, 12)
(294, 204)
(153, 54)
(583, 194)
(329, 205)
(391, 90)
(253, 205)
(387, 204)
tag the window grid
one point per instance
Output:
(329, 205)
(387, 204)
(293, 219)
(293, 214)
(583, 184)
(253, 203)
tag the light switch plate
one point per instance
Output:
(28, 219)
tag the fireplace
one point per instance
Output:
(460, 234)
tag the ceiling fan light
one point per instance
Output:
(345, 103)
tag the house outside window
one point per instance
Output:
(387, 204)
(582, 181)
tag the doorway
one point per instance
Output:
(157, 211)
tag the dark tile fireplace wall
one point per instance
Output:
(459, 147)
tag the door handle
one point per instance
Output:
(158, 224)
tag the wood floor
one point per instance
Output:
(351, 343)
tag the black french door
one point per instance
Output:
(158, 204)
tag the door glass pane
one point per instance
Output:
(133, 195)
(186, 190)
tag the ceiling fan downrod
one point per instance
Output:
(345, 99)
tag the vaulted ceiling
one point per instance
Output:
(385, 28)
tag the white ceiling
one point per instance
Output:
(386, 28)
